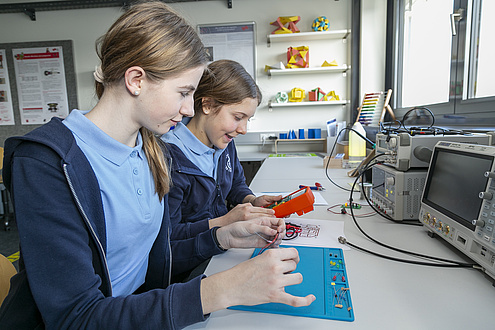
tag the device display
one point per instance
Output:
(452, 187)
(458, 202)
(300, 201)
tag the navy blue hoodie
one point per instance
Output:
(195, 197)
(63, 280)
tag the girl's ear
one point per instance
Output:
(207, 105)
(134, 77)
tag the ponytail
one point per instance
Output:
(156, 162)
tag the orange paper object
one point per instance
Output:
(281, 21)
(298, 57)
(316, 95)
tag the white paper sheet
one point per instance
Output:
(315, 232)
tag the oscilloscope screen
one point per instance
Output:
(454, 181)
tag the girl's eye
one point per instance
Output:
(184, 94)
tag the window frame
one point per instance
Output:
(459, 110)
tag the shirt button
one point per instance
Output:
(135, 171)
(133, 154)
(140, 191)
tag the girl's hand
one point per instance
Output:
(241, 212)
(265, 200)
(259, 280)
(255, 233)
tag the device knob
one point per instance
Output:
(479, 223)
(390, 180)
(486, 195)
(490, 175)
(393, 142)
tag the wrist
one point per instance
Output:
(216, 222)
(215, 294)
(250, 199)
(215, 238)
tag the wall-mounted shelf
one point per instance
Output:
(305, 36)
(272, 105)
(30, 8)
(322, 140)
(326, 69)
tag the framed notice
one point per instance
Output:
(41, 84)
(6, 107)
(232, 41)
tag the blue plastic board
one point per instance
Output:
(325, 276)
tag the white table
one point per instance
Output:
(385, 294)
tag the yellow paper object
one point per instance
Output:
(281, 21)
(298, 57)
(297, 95)
(331, 96)
(333, 63)
(320, 24)
(278, 66)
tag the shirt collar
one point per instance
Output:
(191, 141)
(102, 143)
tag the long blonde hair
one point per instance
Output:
(150, 35)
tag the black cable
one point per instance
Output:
(330, 158)
(333, 148)
(456, 263)
(382, 214)
(418, 108)
(343, 240)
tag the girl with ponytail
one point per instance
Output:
(91, 203)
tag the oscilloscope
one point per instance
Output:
(458, 201)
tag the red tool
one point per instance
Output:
(300, 201)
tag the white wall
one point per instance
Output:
(84, 26)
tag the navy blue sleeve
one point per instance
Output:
(177, 199)
(190, 253)
(54, 240)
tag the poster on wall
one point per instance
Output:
(232, 41)
(41, 84)
(6, 107)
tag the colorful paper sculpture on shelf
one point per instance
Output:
(282, 20)
(298, 57)
(333, 63)
(331, 96)
(320, 24)
(316, 94)
(282, 97)
(297, 95)
(278, 66)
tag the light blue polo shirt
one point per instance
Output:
(205, 158)
(133, 212)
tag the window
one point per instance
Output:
(443, 58)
